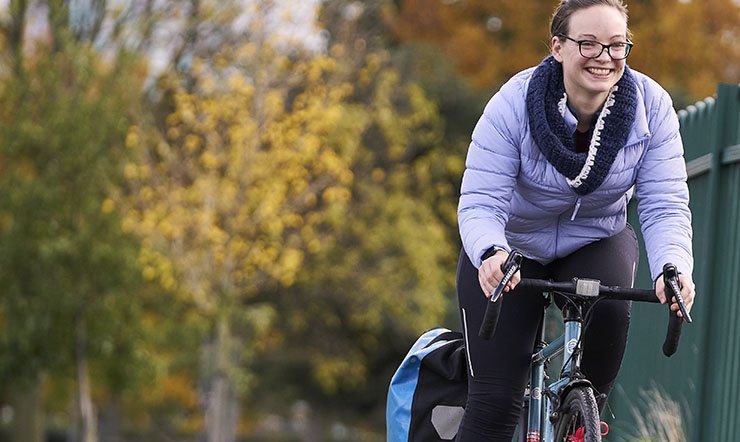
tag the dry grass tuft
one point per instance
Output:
(658, 418)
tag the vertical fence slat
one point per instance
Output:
(720, 405)
(703, 376)
(728, 387)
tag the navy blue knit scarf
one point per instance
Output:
(546, 101)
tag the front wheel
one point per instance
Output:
(579, 417)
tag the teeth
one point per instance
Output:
(598, 71)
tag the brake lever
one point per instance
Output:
(509, 267)
(670, 278)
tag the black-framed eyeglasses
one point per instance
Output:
(593, 49)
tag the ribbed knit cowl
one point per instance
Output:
(546, 106)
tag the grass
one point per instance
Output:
(658, 418)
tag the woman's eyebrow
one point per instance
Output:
(593, 37)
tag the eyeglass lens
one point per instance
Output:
(593, 49)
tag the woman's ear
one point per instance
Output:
(556, 46)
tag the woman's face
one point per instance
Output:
(591, 77)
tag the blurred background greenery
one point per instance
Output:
(228, 220)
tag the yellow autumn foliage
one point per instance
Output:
(302, 186)
(240, 182)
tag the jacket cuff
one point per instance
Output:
(490, 252)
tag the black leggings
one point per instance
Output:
(498, 369)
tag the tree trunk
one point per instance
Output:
(109, 420)
(88, 419)
(26, 400)
(218, 395)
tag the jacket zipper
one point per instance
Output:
(575, 209)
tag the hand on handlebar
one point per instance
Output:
(687, 292)
(490, 274)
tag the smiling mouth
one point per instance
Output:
(599, 71)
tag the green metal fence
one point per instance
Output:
(703, 378)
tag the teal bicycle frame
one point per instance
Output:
(541, 400)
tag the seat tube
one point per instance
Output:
(536, 402)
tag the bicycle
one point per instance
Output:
(566, 410)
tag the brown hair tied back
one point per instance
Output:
(561, 17)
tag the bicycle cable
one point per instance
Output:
(585, 321)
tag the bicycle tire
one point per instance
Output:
(578, 410)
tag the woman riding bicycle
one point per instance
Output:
(553, 161)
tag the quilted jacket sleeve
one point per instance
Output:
(662, 192)
(491, 168)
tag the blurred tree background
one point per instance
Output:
(228, 220)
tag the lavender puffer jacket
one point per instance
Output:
(511, 197)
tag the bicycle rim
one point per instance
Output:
(579, 417)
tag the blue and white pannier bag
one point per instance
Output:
(427, 394)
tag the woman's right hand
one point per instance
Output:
(490, 274)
